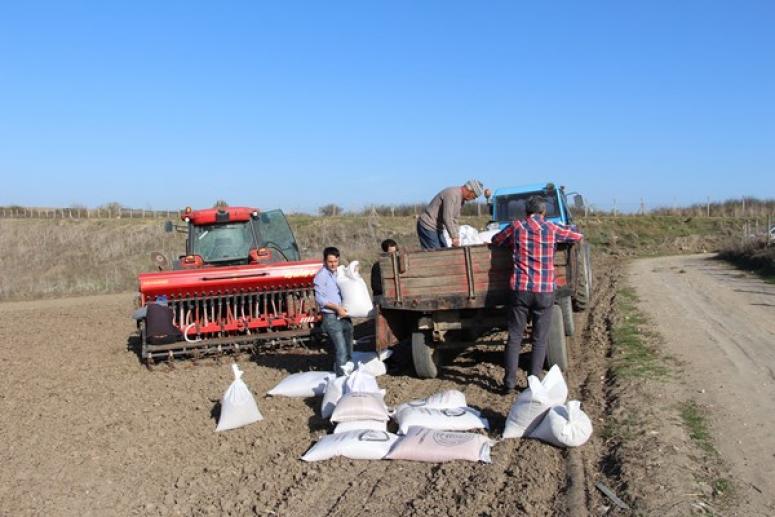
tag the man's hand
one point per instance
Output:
(456, 242)
(341, 312)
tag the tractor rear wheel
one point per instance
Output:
(566, 306)
(425, 358)
(556, 350)
(584, 285)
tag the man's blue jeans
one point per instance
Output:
(430, 239)
(340, 332)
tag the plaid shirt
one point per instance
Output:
(532, 240)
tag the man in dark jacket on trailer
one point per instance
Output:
(532, 241)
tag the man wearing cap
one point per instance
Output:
(444, 211)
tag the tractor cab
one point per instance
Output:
(508, 204)
(233, 236)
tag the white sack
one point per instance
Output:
(446, 399)
(533, 403)
(453, 419)
(360, 425)
(355, 295)
(422, 444)
(487, 235)
(360, 406)
(468, 236)
(564, 426)
(363, 381)
(356, 445)
(334, 391)
(369, 362)
(238, 407)
(303, 384)
(358, 381)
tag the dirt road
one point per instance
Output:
(720, 324)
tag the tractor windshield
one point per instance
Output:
(222, 242)
(512, 206)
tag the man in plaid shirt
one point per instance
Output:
(532, 283)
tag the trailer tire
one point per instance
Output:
(584, 285)
(566, 305)
(424, 357)
(556, 349)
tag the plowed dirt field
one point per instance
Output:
(88, 430)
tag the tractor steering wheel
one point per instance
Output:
(274, 245)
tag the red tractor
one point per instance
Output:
(240, 283)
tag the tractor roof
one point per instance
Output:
(224, 214)
(534, 187)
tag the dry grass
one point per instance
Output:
(53, 258)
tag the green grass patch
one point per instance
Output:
(695, 423)
(633, 356)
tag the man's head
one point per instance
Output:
(331, 258)
(389, 246)
(472, 190)
(535, 205)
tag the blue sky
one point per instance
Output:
(295, 105)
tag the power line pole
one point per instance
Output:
(708, 206)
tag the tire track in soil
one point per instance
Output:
(587, 382)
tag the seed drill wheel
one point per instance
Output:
(425, 358)
(584, 285)
(556, 350)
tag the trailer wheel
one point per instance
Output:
(584, 285)
(556, 350)
(566, 305)
(424, 357)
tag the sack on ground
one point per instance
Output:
(362, 381)
(302, 384)
(238, 407)
(358, 381)
(356, 445)
(533, 403)
(355, 295)
(370, 363)
(446, 399)
(451, 419)
(360, 425)
(434, 446)
(334, 391)
(564, 426)
(360, 406)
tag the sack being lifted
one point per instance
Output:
(238, 407)
(355, 295)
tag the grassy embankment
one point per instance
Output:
(54, 258)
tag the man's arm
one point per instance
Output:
(564, 234)
(449, 214)
(505, 237)
(324, 301)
